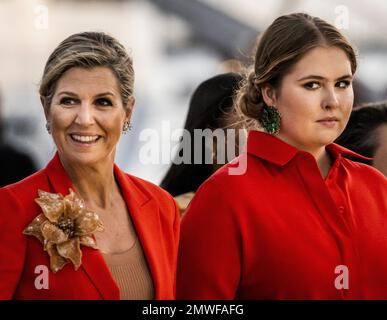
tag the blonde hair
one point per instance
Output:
(88, 50)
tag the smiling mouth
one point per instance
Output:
(84, 139)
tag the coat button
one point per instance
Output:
(341, 209)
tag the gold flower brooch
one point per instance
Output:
(64, 225)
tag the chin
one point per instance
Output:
(328, 136)
(327, 140)
(82, 158)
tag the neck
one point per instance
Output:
(94, 183)
(323, 160)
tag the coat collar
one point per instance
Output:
(140, 204)
(144, 213)
(272, 149)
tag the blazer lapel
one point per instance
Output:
(144, 212)
(93, 264)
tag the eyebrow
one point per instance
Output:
(75, 95)
(105, 94)
(68, 93)
(347, 76)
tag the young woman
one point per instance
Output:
(51, 246)
(303, 221)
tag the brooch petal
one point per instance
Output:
(57, 262)
(88, 223)
(34, 228)
(51, 204)
(63, 227)
(71, 250)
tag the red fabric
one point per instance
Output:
(279, 230)
(155, 217)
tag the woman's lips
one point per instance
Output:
(329, 122)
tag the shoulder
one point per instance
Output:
(365, 178)
(236, 177)
(219, 202)
(217, 196)
(355, 164)
(29, 185)
(19, 197)
(364, 171)
(8, 198)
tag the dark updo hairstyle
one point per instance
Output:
(361, 134)
(209, 108)
(281, 46)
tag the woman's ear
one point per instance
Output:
(129, 108)
(269, 95)
(45, 106)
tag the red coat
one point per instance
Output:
(280, 231)
(154, 216)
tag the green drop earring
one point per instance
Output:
(270, 119)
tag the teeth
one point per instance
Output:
(84, 138)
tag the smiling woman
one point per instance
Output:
(86, 115)
(304, 221)
(87, 97)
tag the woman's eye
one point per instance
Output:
(343, 84)
(311, 85)
(104, 102)
(68, 101)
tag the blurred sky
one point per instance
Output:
(169, 60)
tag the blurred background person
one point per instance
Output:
(362, 93)
(366, 134)
(14, 163)
(209, 108)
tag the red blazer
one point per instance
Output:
(280, 231)
(155, 217)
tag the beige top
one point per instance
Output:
(131, 273)
(183, 201)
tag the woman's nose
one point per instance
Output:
(85, 115)
(330, 100)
